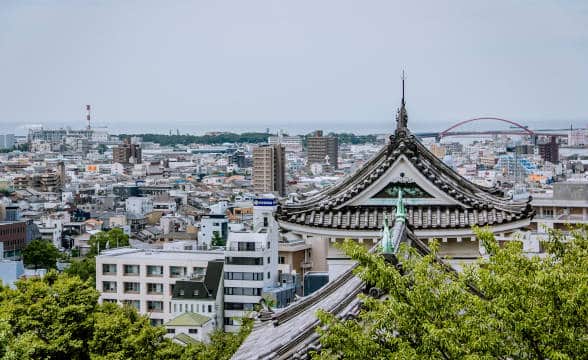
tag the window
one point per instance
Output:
(153, 288)
(131, 270)
(198, 270)
(268, 259)
(268, 275)
(108, 269)
(243, 276)
(154, 270)
(281, 260)
(132, 287)
(109, 301)
(195, 293)
(109, 286)
(209, 308)
(243, 261)
(181, 292)
(171, 331)
(156, 322)
(134, 303)
(243, 291)
(155, 306)
(246, 246)
(177, 271)
(239, 306)
(193, 331)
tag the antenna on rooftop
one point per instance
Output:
(88, 116)
(403, 78)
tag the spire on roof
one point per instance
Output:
(402, 117)
(400, 210)
(387, 246)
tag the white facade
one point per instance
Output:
(251, 264)
(139, 205)
(211, 225)
(144, 279)
(7, 141)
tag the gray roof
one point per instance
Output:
(476, 205)
(291, 332)
(204, 288)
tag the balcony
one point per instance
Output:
(306, 264)
(236, 247)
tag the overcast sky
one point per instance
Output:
(297, 65)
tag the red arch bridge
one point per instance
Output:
(516, 129)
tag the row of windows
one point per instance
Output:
(151, 270)
(11, 230)
(133, 287)
(243, 291)
(152, 306)
(240, 306)
(191, 331)
(157, 306)
(199, 308)
(233, 260)
(10, 243)
(243, 276)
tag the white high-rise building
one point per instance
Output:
(251, 266)
(7, 141)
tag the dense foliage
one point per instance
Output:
(244, 138)
(216, 139)
(85, 268)
(58, 317)
(508, 306)
(110, 239)
(40, 254)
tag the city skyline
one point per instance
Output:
(199, 67)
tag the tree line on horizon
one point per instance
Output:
(243, 138)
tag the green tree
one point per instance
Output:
(108, 239)
(508, 306)
(40, 254)
(58, 317)
(102, 148)
(85, 269)
(222, 345)
(217, 239)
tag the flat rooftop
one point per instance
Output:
(130, 253)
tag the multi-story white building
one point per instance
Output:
(251, 265)
(7, 141)
(139, 205)
(211, 227)
(145, 279)
(291, 143)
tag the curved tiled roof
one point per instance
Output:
(477, 205)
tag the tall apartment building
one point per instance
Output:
(7, 141)
(146, 279)
(549, 151)
(291, 143)
(323, 149)
(13, 235)
(269, 174)
(251, 263)
(127, 153)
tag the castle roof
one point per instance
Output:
(436, 196)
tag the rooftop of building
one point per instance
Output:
(130, 253)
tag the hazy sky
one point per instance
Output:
(298, 65)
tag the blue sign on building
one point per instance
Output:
(265, 202)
